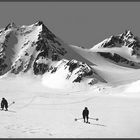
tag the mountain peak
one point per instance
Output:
(38, 23)
(128, 33)
(125, 39)
(10, 25)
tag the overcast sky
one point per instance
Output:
(77, 23)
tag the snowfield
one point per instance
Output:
(42, 112)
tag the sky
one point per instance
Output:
(77, 23)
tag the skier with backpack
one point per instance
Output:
(4, 104)
(85, 114)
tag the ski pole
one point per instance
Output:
(94, 119)
(11, 103)
(76, 119)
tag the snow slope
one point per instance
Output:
(112, 73)
(40, 112)
(115, 59)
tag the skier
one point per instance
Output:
(85, 114)
(4, 103)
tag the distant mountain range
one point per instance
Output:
(36, 50)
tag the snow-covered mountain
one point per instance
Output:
(115, 59)
(42, 76)
(37, 50)
(123, 49)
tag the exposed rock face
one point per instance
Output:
(21, 46)
(77, 71)
(120, 60)
(124, 39)
(83, 69)
(35, 48)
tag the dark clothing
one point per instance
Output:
(85, 114)
(4, 103)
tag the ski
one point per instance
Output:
(8, 111)
(91, 123)
(11, 111)
(76, 119)
(85, 122)
(82, 121)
